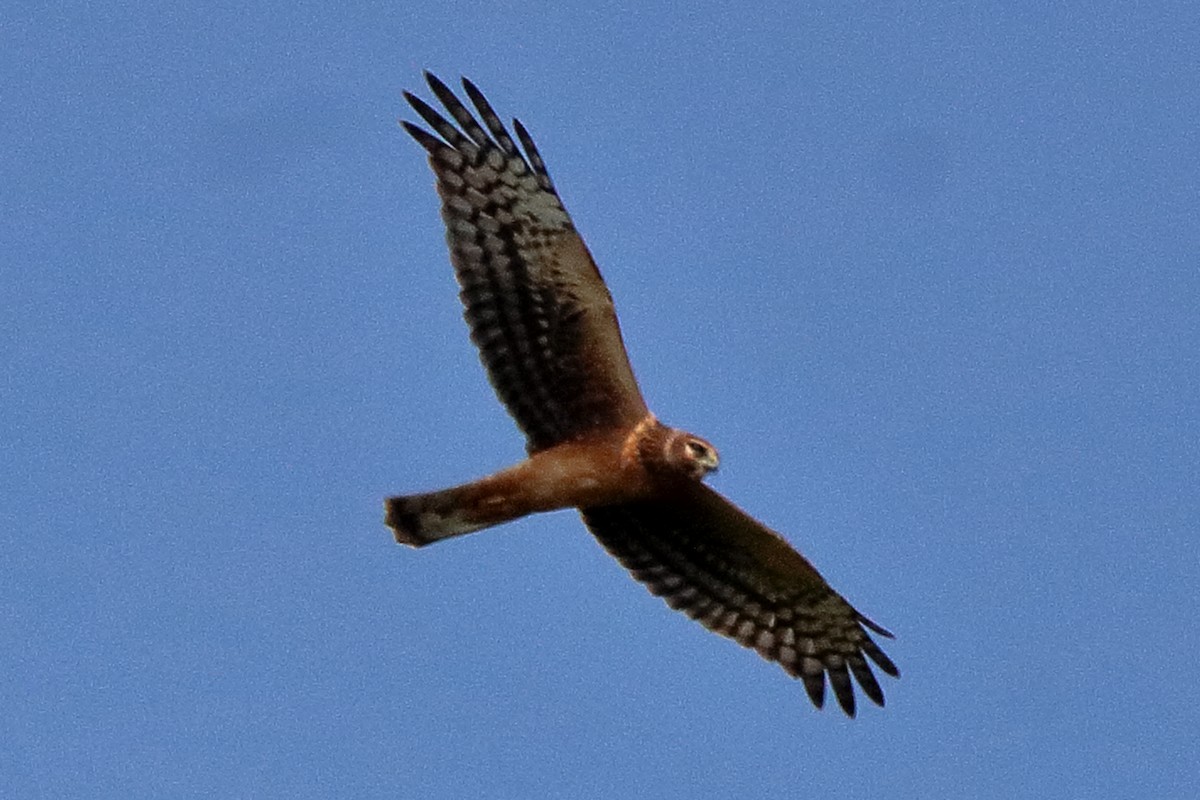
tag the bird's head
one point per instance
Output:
(670, 454)
(691, 455)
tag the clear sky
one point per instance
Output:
(928, 274)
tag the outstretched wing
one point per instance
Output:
(707, 558)
(538, 310)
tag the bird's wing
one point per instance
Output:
(709, 559)
(538, 310)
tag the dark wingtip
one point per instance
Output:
(876, 627)
(843, 688)
(866, 680)
(814, 684)
(430, 142)
(432, 80)
(440, 89)
(879, 657)
(471, 89)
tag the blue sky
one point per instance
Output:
(927, 274)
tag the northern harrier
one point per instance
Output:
(547, 334)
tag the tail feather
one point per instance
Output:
(421, 519)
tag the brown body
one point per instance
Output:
(547, 333)
(602, 470)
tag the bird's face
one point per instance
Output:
(694, 456)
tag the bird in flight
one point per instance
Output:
(546, 329)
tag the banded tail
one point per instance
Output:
(561, 477)
(421, 519)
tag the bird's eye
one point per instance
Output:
(696, 449)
